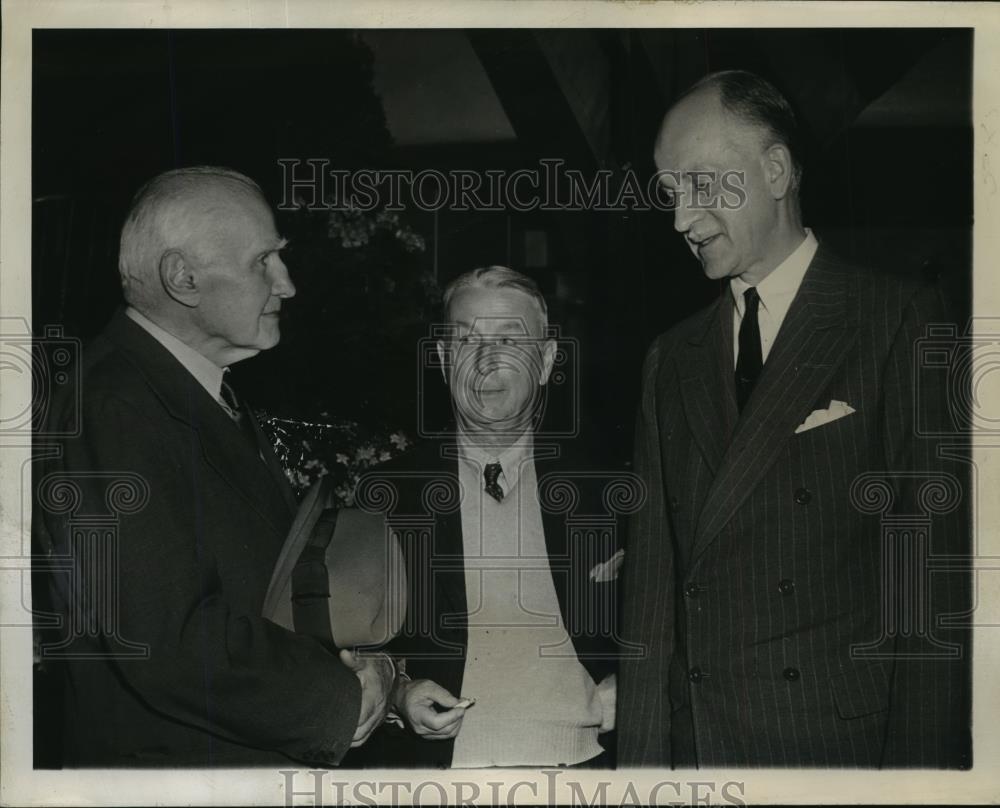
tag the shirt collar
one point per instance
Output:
(510, 459)
(779, 287)
(208, 374)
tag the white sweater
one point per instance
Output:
(536, 705)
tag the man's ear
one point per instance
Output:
(779, 170)
(178, 278)
(442, 356)
(549, 348)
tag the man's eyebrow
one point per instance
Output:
(282, 243)
(504, 324)
(673, 174)
(514, 324)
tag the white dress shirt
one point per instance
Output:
(776, 293)
(208, 374)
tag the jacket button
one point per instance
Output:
(675, 504)
(692, 590)
(803, 496)
(786, 586)
(791, 674)
(695, 674)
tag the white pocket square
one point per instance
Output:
(837, 409)
(608, 570)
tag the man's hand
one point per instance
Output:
(607, 691)
(376, 673)
(415, 702)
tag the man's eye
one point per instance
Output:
(703, 183)
(507, 341)
(669, 196)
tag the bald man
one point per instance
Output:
(779, 578)
(167, 660)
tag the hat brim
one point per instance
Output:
(365, 568)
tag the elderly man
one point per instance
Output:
(778, 578)
(168, 662)
(507, 643)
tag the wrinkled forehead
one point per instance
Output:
(699, 133)
(231, 216)
(230, 200)
(503, 326)
(495, 310)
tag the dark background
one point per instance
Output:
(886, 113)
(888, 182)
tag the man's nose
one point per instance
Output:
(485, 355)
(685, 214)
(281, 281)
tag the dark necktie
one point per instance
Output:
(230, 402)
(242, 418)
(749, 362)
(491, 473)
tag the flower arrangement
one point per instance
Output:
(366, 292)
(342, 449)
(355, 228)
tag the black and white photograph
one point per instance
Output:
(567, 403)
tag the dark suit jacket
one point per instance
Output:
(168, 524)
(424, 508)
(765, 575)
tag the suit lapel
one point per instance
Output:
(817, 331)
(706, 381)
(273, 466)
(223, 447)
(227, 451)
(448, 551)
(553, 523)
(561, 552)
(576, 540)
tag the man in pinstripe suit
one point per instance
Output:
(779, 433)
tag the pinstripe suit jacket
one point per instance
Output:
(765, 577)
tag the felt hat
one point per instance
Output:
(340, 576)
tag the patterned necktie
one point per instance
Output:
(492, 473)
(230, 402)
(749, 362)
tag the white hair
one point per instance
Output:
(499, 277)
(161, 218)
